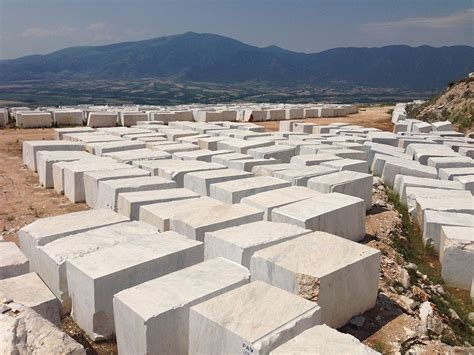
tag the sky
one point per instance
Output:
(43, 26)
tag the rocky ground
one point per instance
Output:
(415, 311)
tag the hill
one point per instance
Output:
(455, 103)
(209, 58)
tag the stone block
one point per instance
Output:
(95, 137)
(451, 173)
(467, 182)
(46, 159)
(238, 244)
(355, 165)
(272, 317)
(300, 176)
(23, 331)
(422, 127)
(209, 219)
(267, 201)
(161, 214)
(51, 258)
(434, 220)
(335, 213)
(30, 291)
(235, 190)
(442, 126)
(467, 151)
(129, 203)
(93, 178)
(414, 193)
(174, 147)
(201, 154)
(404, 181)
(224, 159)
(73, 172)
(34, 119)
(395, 166)
(68, 118)
(31, 148)
(12, 261)
(60, 132)
(303, 127)
(457, 205)
(45, 230)
(127, 157)
(128, 119)
(313, 159)
(111, 147)
(148, 315)
(201, 181)
(345, 182)
(457, 256)
(93, 279)
(102, 119)
(450, 162)
(279, 152)
(210, 143)
(338, 274)
(269, 170)
(242, 146)
(322, 339)
(249, 164)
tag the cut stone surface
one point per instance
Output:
(46, 230)
(93, 178)
(102, 119)
(73, 172)
(335, 213)
(457, 256)
(33, 119)
(95, 137)
(404, 181)
(23, 331)
(201, 154)
(110, 147)
(249, 164)
(174, 148)
(224, 159)
(345, 182)
(161, 306)
(267, 201)
(467, 182)
(60, 132)
(130, 156)
(31, 148)
(280, 152)
(394, 167)
(210, 143)
(129, 203)
(241, 145)
(160, 214)
(46, 159)
(108, 191)
(12, 261)
(239, 243)
(93, 279)
(52, 257)
(414, 193)
(434, 220)
(322, 339)
(467, 151)
(269, 170)
(451, 173)
(450, 162)
(313, 159)
(272, 317)
(342, 276)
(458, 205)
(30, 291)
(300, 176)
(210, 219)
(201, 181)
(235, 190)
(359, 166)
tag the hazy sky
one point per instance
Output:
(42, 26)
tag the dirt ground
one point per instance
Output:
(374, 116)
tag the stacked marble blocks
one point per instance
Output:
(340, 275)
(252, 319)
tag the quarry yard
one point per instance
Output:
(350, 233)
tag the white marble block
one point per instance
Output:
(338, 274)
(335, 213)
(239, 243)
(272, 317)
(12, 261)
(201, 181)
(30, 148)
(93, 279)
(148, 316)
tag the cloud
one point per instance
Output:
(102, 31)
(451, 21)
(38, 32)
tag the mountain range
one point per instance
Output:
(210, 58)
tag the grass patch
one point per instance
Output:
(414, 251)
